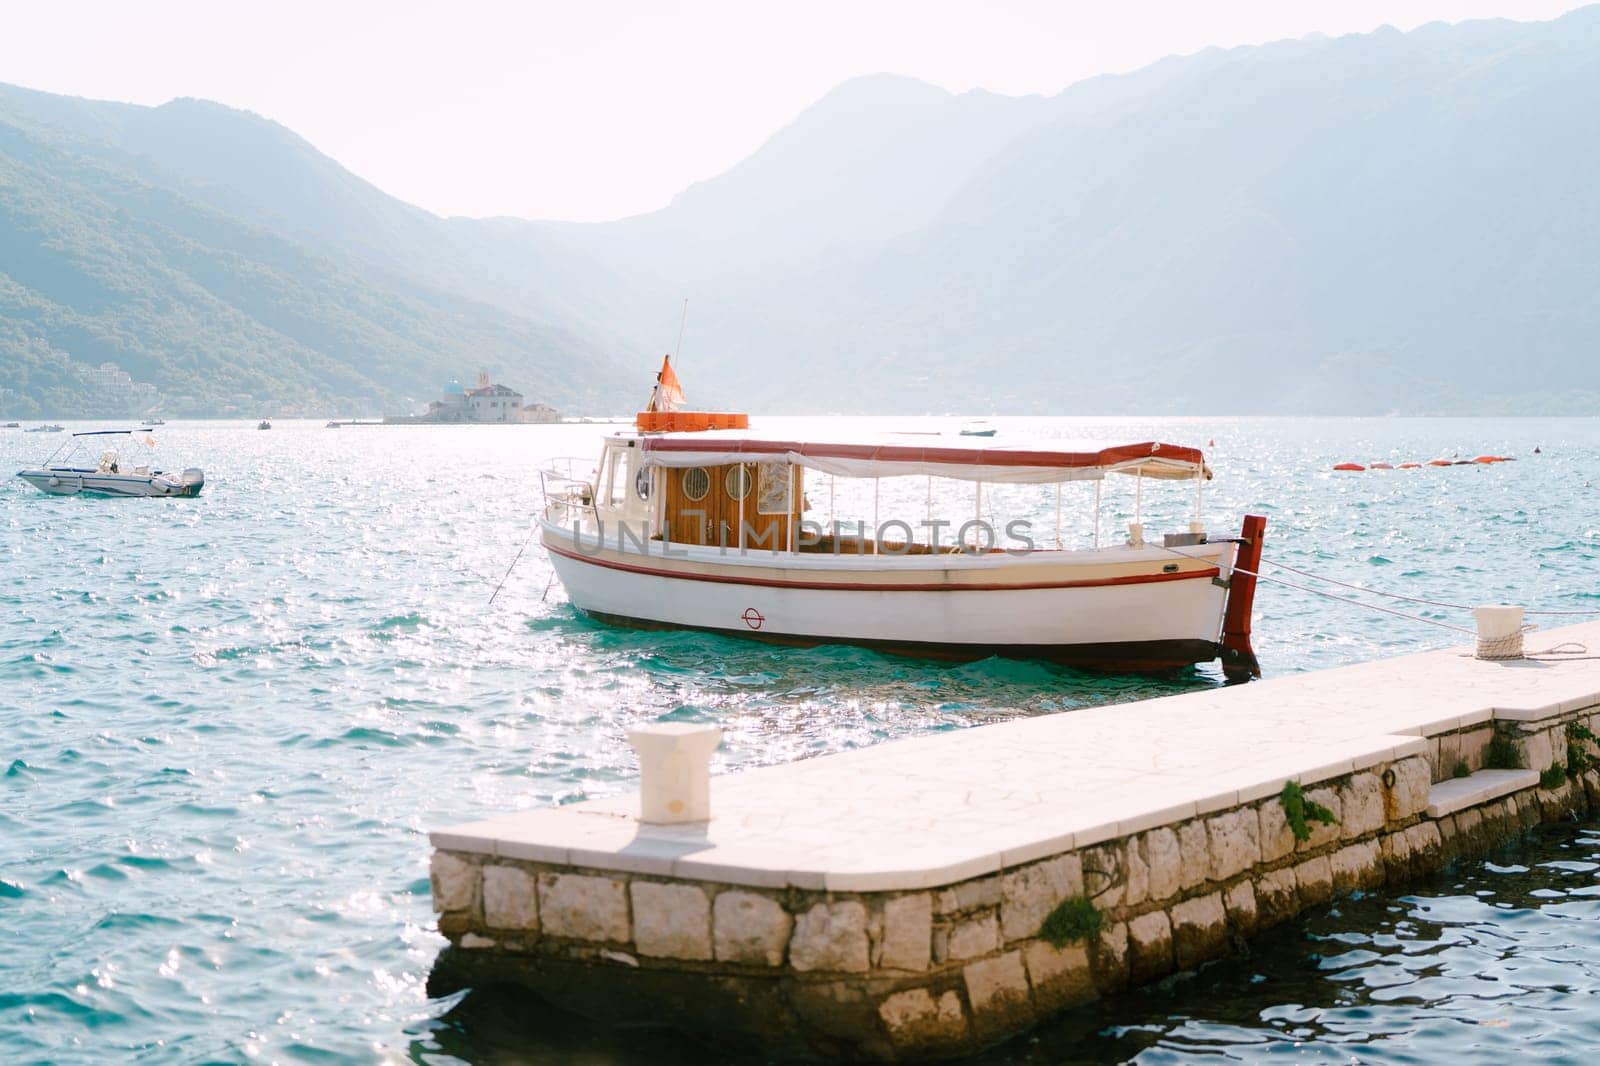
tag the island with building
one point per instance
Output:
(484, 404)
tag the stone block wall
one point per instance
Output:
(941, 973)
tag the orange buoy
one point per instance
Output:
(1492, 459)
(1410, 466)
(1439, 462)
(1349, 466)
(1381, 466)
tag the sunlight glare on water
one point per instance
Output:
(229, 722)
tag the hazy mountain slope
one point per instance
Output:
(261, 172)
(876, 158)
(1379, 222)
(96, 264)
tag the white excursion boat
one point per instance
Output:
(112, 475)
(693, 520)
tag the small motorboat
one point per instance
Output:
(12, 425)
(111, 476)
(264, 424)
(52, 428)
(977, 429)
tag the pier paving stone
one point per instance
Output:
(1409, 796)
(1150, 946)
(455, 883)
(973, 937)
(831, 936)
(510, 898)
(584, 908)
(1199, 930)
(671, 921)
(1313, 880)
(1274, 834)
(1165, 863)
(1234, 842)
(1240, 903)
(1028, 895)
(1059, 977)
(749, 928)
(996, 984)
(907, 932)
(1361, 806)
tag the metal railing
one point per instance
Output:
(568, 486)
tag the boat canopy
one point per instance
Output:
(1036, 462)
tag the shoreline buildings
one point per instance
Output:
(484, 404)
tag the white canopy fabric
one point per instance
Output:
(1039, 462)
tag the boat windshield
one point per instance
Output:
(105, 448)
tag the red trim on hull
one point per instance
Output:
(837, 586)
(1125, 657)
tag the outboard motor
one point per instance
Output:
(193, 479)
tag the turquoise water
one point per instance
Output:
(227, 723)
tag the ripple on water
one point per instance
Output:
(298, 686)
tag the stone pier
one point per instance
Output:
(925, 898)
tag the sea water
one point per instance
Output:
(228, 723)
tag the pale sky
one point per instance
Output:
(590, 110)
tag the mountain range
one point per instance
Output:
(1375, 223)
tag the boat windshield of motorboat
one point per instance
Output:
(122, 468)
(947, 547)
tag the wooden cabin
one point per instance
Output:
(710, 505)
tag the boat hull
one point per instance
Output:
(1133, 610)
(62, 481)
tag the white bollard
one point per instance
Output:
(674, 770)
(1499, 631)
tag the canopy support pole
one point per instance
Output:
(877, 528)
(1058, 516)
(1097, 486)
(742, 495)
(978, 517)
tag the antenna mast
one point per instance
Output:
(678, 350)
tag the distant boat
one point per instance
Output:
(333, 425)
(977, 429)
(107, 477)
(264, 424)
(44, 429)
(155, 421)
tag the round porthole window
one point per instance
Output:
(641, 483)
(696, 483)
(737, 482)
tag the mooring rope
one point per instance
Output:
(1329, 595)
(526, 541)
(1412, 599)
(1493, 648)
